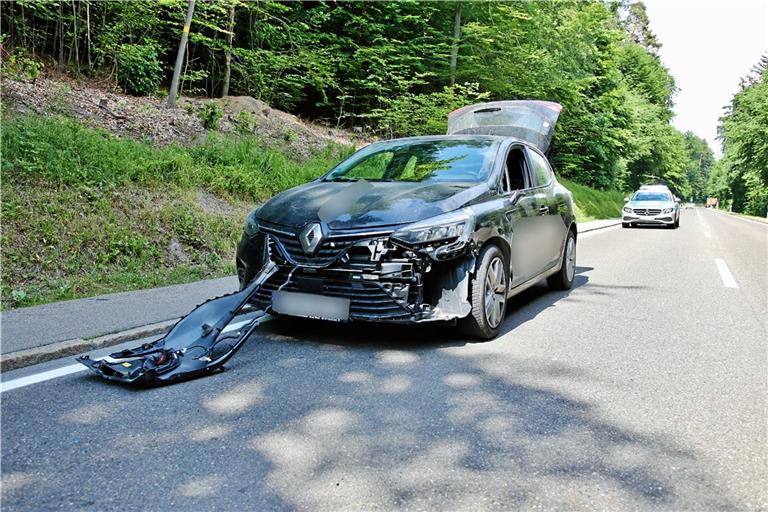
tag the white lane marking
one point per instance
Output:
(68, 370)
(725, 274)
(41, 377)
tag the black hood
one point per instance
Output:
(377, 204)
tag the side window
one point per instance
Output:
(541, 172)
(514, 170)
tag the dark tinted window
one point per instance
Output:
(432, 160)
(541, 173)
(514, 177)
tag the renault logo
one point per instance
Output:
(310, 237)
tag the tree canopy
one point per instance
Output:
(397, 68)
(741, 177)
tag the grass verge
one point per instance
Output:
(593, 204)
(85, 213)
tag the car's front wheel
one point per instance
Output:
(488, 295)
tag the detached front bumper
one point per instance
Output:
(377, 280)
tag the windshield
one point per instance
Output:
(652, 196)
(426, 160)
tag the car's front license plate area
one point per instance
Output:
(310, 305)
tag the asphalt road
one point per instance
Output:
(643, 388)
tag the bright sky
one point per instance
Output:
(708, 46)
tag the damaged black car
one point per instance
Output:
(434, 228)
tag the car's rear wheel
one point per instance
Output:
(563, 279)
(487, 295)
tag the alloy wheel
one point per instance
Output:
(495, 292)
(570, 258)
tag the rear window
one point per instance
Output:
(436, 160)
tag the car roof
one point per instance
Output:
(490, 138)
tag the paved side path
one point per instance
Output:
(36, 326)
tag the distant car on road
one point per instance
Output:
(651, 206)
(420, 229)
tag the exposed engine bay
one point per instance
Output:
(364, 276)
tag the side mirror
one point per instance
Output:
(677, 199)
(626, 199)
(514, 198)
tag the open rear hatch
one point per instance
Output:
(531, 121)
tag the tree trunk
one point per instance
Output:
(75, 12)
(61, 35)
(88, 33)
(180, 56)
(455, 41)
(228, 52)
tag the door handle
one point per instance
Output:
(543, 210)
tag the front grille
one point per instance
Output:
(646, 211)
(329, 250)
(287, 247)
(367, 299)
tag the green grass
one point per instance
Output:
(85, 213)
(593, 204)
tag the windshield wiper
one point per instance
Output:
(342, 178)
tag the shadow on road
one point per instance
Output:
(324, 417)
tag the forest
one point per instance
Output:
(397, 68)
(740, 178)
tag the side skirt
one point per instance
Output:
(532, 281)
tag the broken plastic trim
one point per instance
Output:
(197, 345)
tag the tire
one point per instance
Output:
(677, 223)
(479, 323)
(626, 225)
(563, 279)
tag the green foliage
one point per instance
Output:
(384, 66)
(745, 141)
(61, 150)
(592, 204)
(138, 70)
(210, 115)
(425, 113)
(700, 161)
(21, 67)
(245, 123)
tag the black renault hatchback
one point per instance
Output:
(437, 228)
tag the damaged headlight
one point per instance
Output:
(251, 223)
(447, 228)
